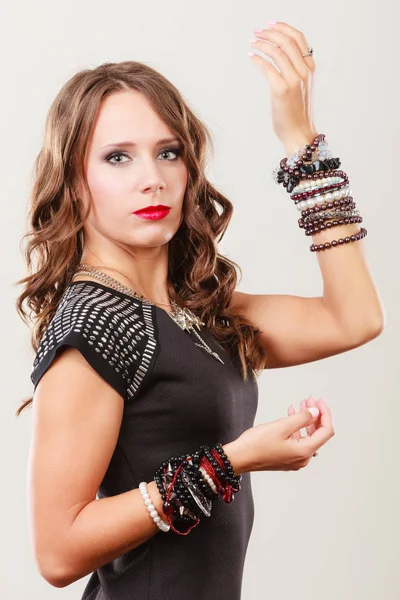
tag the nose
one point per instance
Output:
(152, 178)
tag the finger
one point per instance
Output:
(325, 412)
(291, 47)
(303, 406)
(311, 401)
(322, 434)
(292, 411)
(300, 40)
(280, 58)
(275, 79)
(297, 421)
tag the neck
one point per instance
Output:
(145, 273)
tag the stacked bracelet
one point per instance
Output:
(316, 185)
(152, 509)
(188, 484)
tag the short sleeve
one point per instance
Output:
(113, 332)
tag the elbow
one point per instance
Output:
(372, 331)
(377, 326)
(53, 572)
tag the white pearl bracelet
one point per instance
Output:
(209, 480)
(152, 509)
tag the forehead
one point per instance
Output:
(127, 115)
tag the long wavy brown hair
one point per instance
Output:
(198, 276)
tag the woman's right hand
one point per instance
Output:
(278, 445)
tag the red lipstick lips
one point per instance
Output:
(153, 212)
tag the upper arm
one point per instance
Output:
(294, 329)
(76, 422)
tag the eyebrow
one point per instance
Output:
(132, 144)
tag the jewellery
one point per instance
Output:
(151, 508)
(313, 229)
(343, 202)
(317, 150)
(319, 218)
(189, 483)
(335, 243)
(312, 178)
(183, 317)
(310, 52)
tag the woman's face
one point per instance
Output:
(128, 168)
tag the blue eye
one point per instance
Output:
(176, 151)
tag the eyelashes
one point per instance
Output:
(176, 151)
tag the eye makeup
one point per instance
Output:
(175, 150)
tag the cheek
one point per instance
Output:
(105, 188)
(181, 182)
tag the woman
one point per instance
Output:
(130, 418)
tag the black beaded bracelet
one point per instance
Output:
(187, 500)
(226, 476)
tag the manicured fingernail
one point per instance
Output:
(250, 54)
(253, 40)
(310, 398)
(272, 22)
(314, 411)
(257, 30)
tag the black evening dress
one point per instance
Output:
(177, 397)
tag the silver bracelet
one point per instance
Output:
(335, 214)
(152, 509)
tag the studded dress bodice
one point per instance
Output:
(176, 398)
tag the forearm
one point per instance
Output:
(349, 292)
(102, 531)
(109, 527)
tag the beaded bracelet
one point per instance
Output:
(290, 177)
(332, 224)
(321, 152)
(322, 198)
(316, 184)
(319, 180)
(176, 492)
(187, 485)
(334, 243)
(152, 509)
(220, 469)
(310, 194)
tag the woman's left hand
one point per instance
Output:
(291, 88)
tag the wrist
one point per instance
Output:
(235, 456)
(297, 141)
(158, 501)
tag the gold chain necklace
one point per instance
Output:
(183, 317)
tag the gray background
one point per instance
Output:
(327, 531)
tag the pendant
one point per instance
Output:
(214, 354)
(197, 495)
(185, 318)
